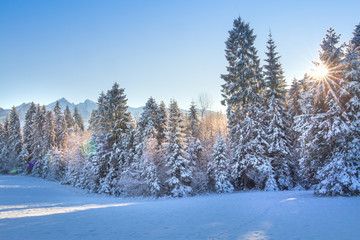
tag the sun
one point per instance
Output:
(320, 72)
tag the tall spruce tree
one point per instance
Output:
(243, 93)
(28, 130)
(15, 141)
(115, 123)
(277, 120)
(179, 174)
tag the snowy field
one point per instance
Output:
(32, 208)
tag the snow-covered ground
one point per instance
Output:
(33, 208)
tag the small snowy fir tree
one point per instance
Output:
(179, 174)
(218, 169)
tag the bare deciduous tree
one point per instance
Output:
(204, 103)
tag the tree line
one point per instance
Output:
(274, 138)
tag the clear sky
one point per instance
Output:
(164, 49)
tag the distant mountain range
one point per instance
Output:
(84, 108)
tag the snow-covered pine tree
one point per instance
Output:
(54, 165)
(49, 131)
(219, 168)
(242, 92)
(355, 41)
(301, 126)
(79, 122)
(3, 139)
(326, 121)
(146, 125)
(277, 120)
(243, 80)
(340, 173)
(57, 109)
(5, 151)
(70, 122)
(97, 165)
(38, 151)
(194, 150)
(60, 127)
(293, 100)
(254, 170)
(28, 130)
(193, 122)
(179, 174)
(192, 130)
(161, 122)
(116, 122)
(144, 167)
(15, 142)
(294, 108)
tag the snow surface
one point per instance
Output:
(33, 208)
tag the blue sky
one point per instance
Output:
(164, 49)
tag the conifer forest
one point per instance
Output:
(273, 137)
